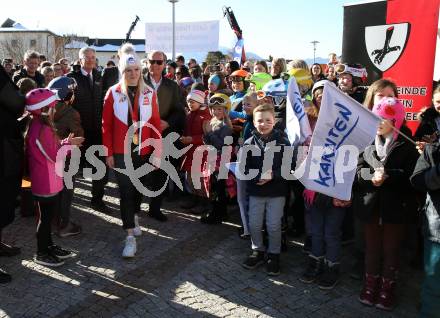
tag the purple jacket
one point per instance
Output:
(42, 147)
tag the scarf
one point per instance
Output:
(383, 145)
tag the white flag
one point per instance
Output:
(343, 130)
(297, 123)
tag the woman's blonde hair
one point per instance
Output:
(281, 62)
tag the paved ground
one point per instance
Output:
(183, 268)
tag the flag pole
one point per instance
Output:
(404, 136)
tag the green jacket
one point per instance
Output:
(171, 104)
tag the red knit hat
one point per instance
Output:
(39, 98)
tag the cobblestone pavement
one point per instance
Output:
(183, 268)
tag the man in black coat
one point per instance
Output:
(172, 115)
(426, 178)
(31, 63)
(11, 158)
(88, 102)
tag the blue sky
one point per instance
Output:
(277, 27)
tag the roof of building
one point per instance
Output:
(106, 45)
(11, 26)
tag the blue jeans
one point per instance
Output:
(431, 285)
(326, 226)
(273, 207)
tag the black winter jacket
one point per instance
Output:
(11, 139)
(38, 78)
(426, 178)
(395, 200)
(216, 138)
(427, 125)
(278, 186)
(88, 102)
(110, 76)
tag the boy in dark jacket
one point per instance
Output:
(426, 178)
(67, 121)
(267, 190)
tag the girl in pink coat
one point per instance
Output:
(42, 146)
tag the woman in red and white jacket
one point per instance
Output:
(131, 132)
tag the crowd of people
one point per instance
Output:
(51, 107)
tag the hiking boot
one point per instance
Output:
(70, 229)
(369, 291)
(48, 259)
(254, 260)
(273, 264)
(4, 277)
(8, 250)
(130, 247)
(330, 276)
(61, 253)
(386, 298)
(313, 270)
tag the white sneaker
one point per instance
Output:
(130, 247)
(137, 229)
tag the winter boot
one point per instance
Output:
(368, 294)
(254, 260)
(330, 277)
(313, 270)
(273, 264)
(216, 215)
(386, 299)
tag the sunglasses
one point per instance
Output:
(217, 101)
(158, 62)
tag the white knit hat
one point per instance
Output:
(197, 96)
(126, 60)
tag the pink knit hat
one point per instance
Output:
(197, 96)
(392, 109)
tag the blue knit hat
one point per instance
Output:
(215, 79)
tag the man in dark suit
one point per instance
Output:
(88, 102)
(172, 115)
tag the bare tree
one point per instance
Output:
(72, 54)
(13, 49)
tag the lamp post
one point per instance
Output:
(314, 49)
(174, 28)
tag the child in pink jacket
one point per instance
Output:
(42, 146)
